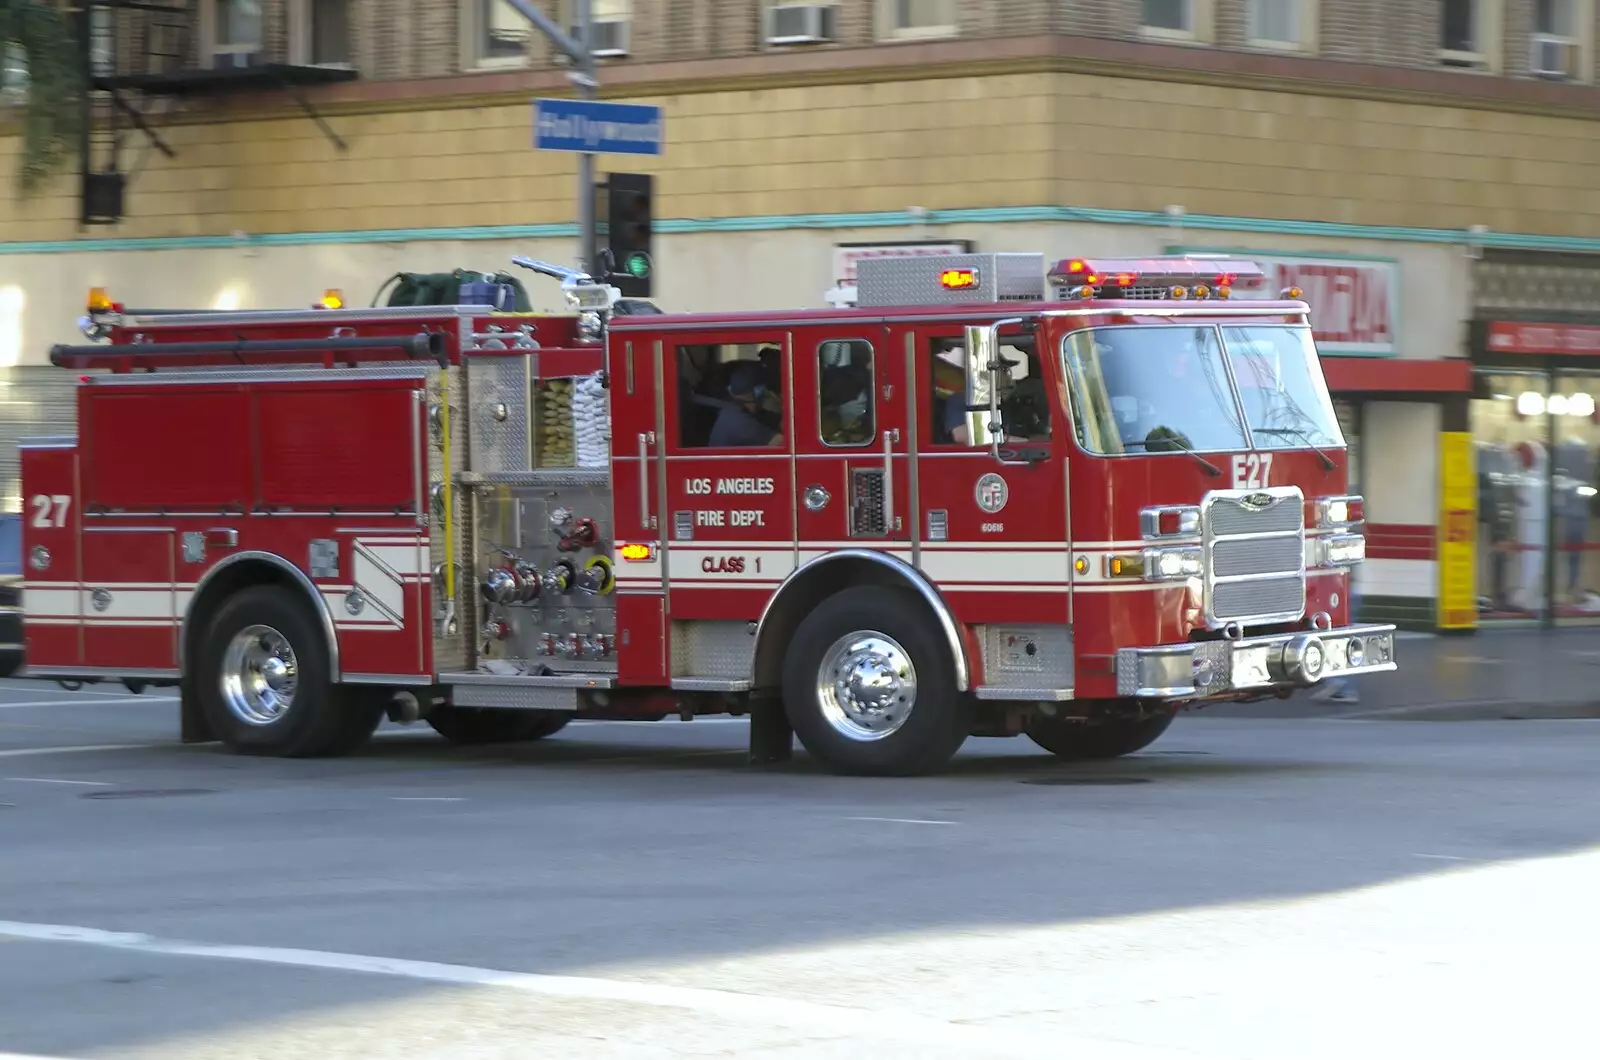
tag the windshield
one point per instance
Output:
(1161, 388)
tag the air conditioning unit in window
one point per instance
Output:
(608, 38)
(1552, 57)
(800, 24)
(236, 56)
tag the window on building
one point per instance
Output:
(1281, 23)
(918, 18)
(1555, 49)
(845, 386)
(14, 74)
(494, 34)
(730, 396)
(1466, 32)
(320, 32)
(237, 27)
(1172, 16)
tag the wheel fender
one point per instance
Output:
(891, 570)
(282, 573)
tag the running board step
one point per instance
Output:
(520, 692)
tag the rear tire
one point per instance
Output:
(263, 680)
(869, 686)
(1096, 740)
(471, 726)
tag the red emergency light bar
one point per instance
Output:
(1220, 273)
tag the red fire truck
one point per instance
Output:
(993, 498)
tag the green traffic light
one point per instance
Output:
(638, 265)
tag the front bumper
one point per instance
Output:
(1253, 664)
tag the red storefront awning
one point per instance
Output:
(1390, 375)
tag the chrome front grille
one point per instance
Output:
(1255, 555)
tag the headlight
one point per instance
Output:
(1343, 550)
(1172, 564)
(1340, 511)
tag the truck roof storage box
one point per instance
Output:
(950, 279)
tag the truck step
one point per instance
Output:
(522, 691)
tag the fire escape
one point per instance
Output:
(144, 58)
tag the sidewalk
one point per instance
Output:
(1492, 675)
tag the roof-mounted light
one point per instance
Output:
(332, 298)
(960, 279)
(1195, 275)
(99, 301)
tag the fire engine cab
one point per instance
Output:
(993, 497)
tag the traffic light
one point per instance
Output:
(630, 210)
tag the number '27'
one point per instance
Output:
(49, 511)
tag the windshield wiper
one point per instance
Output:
(1208, 465)
(1327, 461)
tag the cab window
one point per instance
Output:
(1024, 400)
(845, 384)
(730, 396)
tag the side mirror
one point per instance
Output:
(984, 425)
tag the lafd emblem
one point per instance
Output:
(992, 493)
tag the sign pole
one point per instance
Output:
(588, 88)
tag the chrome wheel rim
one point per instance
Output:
(866, 686)
(259, 675)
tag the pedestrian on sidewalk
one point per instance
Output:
(1342, 689)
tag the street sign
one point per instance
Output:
(595, 128)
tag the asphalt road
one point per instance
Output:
(1244, 889)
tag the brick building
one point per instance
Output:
(1427, 168)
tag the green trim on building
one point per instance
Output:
(786, 222)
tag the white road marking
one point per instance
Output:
(102, 702)
(717, 720)
(29, 1056)
(760, 1009)
(1441, 857)
(27, 752)
(897, 820)
(49, 780)
(46, 686)
(425, 798)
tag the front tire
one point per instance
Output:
(1096, 740)
(869, 686)
(471, 726)
(263, 681)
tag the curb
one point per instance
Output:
(1481, 710)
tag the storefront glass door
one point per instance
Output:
(1575, 451)
(1510, 431)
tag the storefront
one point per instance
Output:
(1536, 438)
(1535, 344)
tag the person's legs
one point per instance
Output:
(1342, 689)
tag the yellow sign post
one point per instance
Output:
(1458, 532)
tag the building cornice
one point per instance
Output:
(1091, 56)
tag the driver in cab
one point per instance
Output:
(737, 425)
(950, 376)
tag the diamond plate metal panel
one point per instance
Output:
(501, 438)
(1027, 656)
(712, 649)
(514, 698)
(915, 280)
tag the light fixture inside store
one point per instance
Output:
(1557, 405)
(1530, 403)
(1580, 405)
